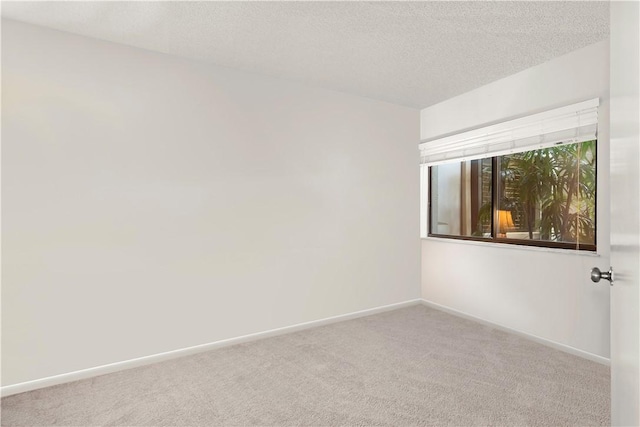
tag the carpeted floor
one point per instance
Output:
(412, 366)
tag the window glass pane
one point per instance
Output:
(461, 198)
(548, 194)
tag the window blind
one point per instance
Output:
(566, 125)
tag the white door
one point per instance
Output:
(625, 217)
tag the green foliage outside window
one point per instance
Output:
(551, 192)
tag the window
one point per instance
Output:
(536, 184)
(544, 197)
(461, 198)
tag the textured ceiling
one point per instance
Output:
(409, 53)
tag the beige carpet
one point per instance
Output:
(412, 366)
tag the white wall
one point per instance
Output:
(546, 293)
(153, 203)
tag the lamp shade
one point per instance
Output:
(505, 221)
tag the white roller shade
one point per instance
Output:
(565, 125)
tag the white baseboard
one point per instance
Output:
(544, 341)
(154, 358)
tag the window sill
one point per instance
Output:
(508, 246)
